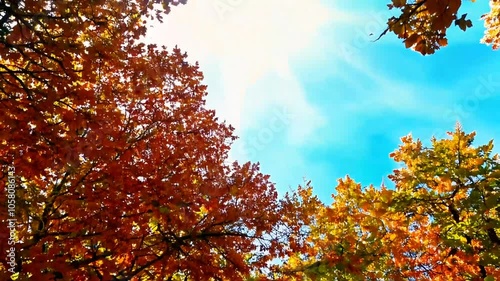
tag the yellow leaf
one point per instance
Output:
(392, 236)
(14, 276)
(202, 212)
(386, 196)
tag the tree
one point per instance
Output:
(348, 240)
(441, 222)
(121, 172)
(422, 24)
(452, 190)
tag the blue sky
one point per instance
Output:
(313, 98)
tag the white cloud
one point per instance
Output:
(248, 41)
(392, 93)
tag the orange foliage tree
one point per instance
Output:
(120, 171)
(441, 222)
(422, 24)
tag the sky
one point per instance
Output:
(312, 97)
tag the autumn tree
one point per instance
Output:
(452, 190)
(422, 24)
(121, 172)
(348, 240)
(441, 222)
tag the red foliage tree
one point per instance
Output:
(121, 172)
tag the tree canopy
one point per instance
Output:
(441, 222)
(120, 172)
(422, 24)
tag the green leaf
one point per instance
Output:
(492, 201)
(322, 268)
